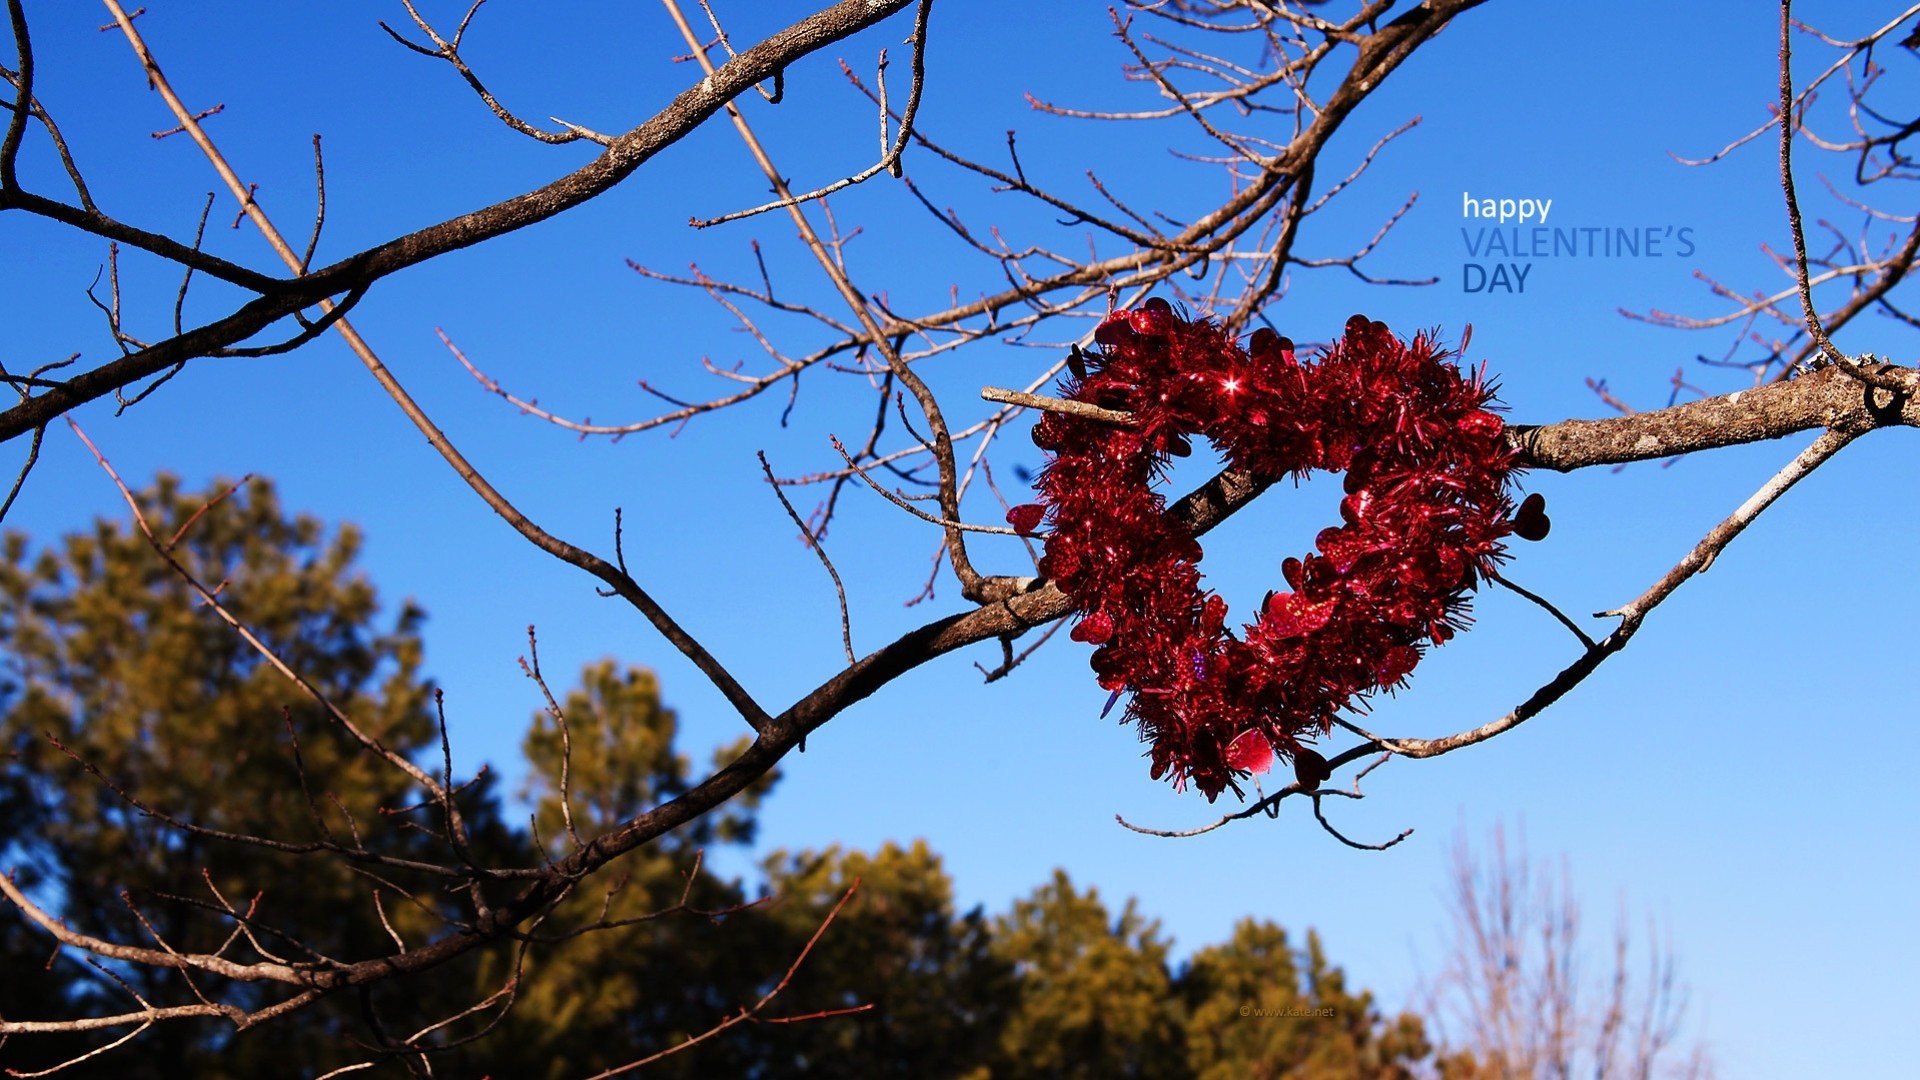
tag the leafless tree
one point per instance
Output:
(1517, 994)
(1215, 65)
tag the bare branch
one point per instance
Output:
(751, 1012)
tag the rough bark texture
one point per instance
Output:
(1829, 398)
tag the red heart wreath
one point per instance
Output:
(1426, 510)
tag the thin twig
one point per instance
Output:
(751, 1012)
(1085, 409)
(819, 549)
(1502, 581)
(532, 671)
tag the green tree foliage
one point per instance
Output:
(119, 693)
(1098, 999)
(1257, 1009)
(615, 755)
(657, 952)
(935, 991)
(660, 955)
(1095, 995)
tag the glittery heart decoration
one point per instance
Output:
(1425, 514)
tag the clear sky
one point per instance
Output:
(1732, 775)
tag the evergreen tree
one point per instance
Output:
(935, 992)
(1257, 1009)
(658, 976)
(1095, 997)
(644, 956)
(109, 662)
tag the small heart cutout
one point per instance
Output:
(1530, 522)
(1310, 768)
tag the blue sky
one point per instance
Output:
(1728, 774)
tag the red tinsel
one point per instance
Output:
(1426, 508)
